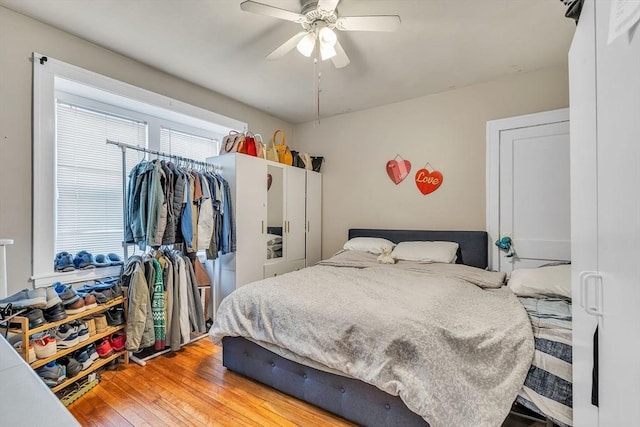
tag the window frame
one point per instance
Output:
(53, 79)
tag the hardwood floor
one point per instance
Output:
(192, 388)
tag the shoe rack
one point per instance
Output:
(28, 332)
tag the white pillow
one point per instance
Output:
(543, 281)
(374, 245)
(426, 251)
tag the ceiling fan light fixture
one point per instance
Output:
(327, 51)
(307, 44)
(327, 37)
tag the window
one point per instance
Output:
(78, 177)
(89, 178)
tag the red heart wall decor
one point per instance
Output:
(398, 169)
(428, 182)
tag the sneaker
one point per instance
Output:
(83, 332)
(31, 352)
(84, 359)
(117, 340)
(115, 316)
(101, 323)
(90, 302)
(92, 352)
(91, 325)
(55, 313)
(104, 349)
(52, 373)
(73, 366)
(52, 297)
(66, 293)
(44, 345)
(63, 262)
(36, 317)
(27, 298)
(75, 307)
(67, 335)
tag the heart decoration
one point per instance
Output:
(398, 170)
(269, 181)
(428, 182)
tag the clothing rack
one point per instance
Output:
(179, 159)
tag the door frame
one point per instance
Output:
(494, 129)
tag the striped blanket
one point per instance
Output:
(548, 387)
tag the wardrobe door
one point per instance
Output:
(295, 225)
(618, 113)
(250, 214)
(584, 205)
(314, 218)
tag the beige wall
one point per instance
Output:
(19, 37)
(447, 130)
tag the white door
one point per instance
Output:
(533, 192)
(584, 207)
(618, 118)
(295, 225)
(314, 218)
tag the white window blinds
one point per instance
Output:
(186, 145)
(89, 178)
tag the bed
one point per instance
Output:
(340, 387)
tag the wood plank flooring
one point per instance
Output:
(192, 388)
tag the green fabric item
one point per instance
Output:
(157, 308)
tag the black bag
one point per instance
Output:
(297, 160)
(317, 161)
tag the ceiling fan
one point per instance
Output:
(319, 19)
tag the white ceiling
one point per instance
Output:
(441, 44)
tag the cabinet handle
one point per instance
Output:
(262, 225)
(597, 308)
(308, 226)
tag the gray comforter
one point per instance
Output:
(456, 353)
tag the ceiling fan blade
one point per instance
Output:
(341, 59)
(275, 12)
(285, 47)
(387, 23)
(328, 5)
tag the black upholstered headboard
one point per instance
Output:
(473, 248)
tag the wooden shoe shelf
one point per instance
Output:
(28, 332)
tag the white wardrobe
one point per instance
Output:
(277, 210)
(605, 216)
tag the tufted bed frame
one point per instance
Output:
(349, 398)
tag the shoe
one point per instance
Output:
(101, 261)
(52, 297)
(73, 367)
(52, 373)
(90, 302)
(104, 349)
(63, 262)
(67, 336)
(101, 323)
(91, 325)
(55, 313)
(75, 307)
(84, 359)
(115, 259)
(17, 344)
(66, 293)
(112, 365)
(83, 260)
(27, 298)
(115, 316)
(35, 316)
(117, 341)
(92, 352)
(44, 345)
(83, 331)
